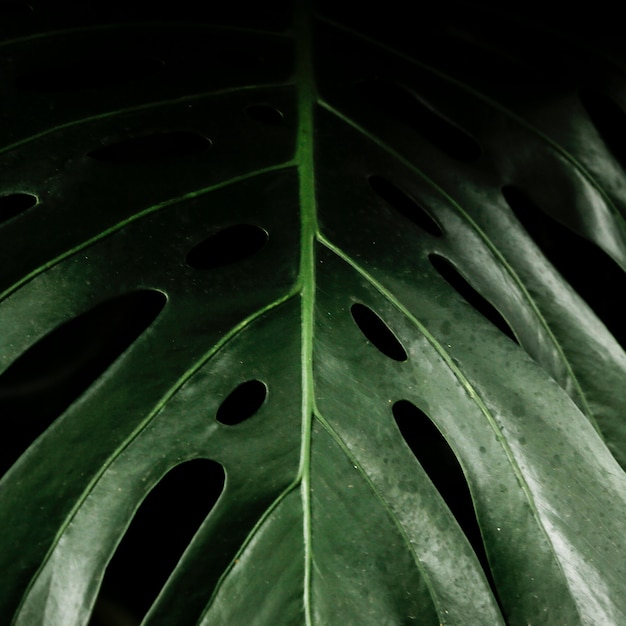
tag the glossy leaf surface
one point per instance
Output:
(288, 252)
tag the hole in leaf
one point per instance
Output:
(161, 529)
(155, 147)
(242, 403)
(377, 332)
(401, 104)
(609, 120)
(39, 385)
(15, 203)
(440, 463)
(265, 114)
(227, 246)
(14, 8)
(92, 74)
(594, 275)
(405, 205)
(454, 278)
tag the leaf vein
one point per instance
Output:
(493, 249)
(140, 428)
(139, 107)
(470, 390)
(137, 216)
(346, 450)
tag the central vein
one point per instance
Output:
(305, 161)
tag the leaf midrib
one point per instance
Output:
(306, 100)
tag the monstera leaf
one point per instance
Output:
(304, 318)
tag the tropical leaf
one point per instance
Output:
(302, 319)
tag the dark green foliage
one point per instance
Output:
(310, 316)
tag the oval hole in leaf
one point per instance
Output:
(594, 275)
(155, 147)
(401, 104)
(454, 278)
(92, 74)
(227, 246)
(13, 204)
(265, 114)
(242, 403)
(377, 332)
(161, 529)
(14, 8)
(39, 385)
(405, 205)
(609, 120)
(440, 463)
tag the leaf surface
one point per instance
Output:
(336, 298)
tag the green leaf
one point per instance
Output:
(298, 305)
